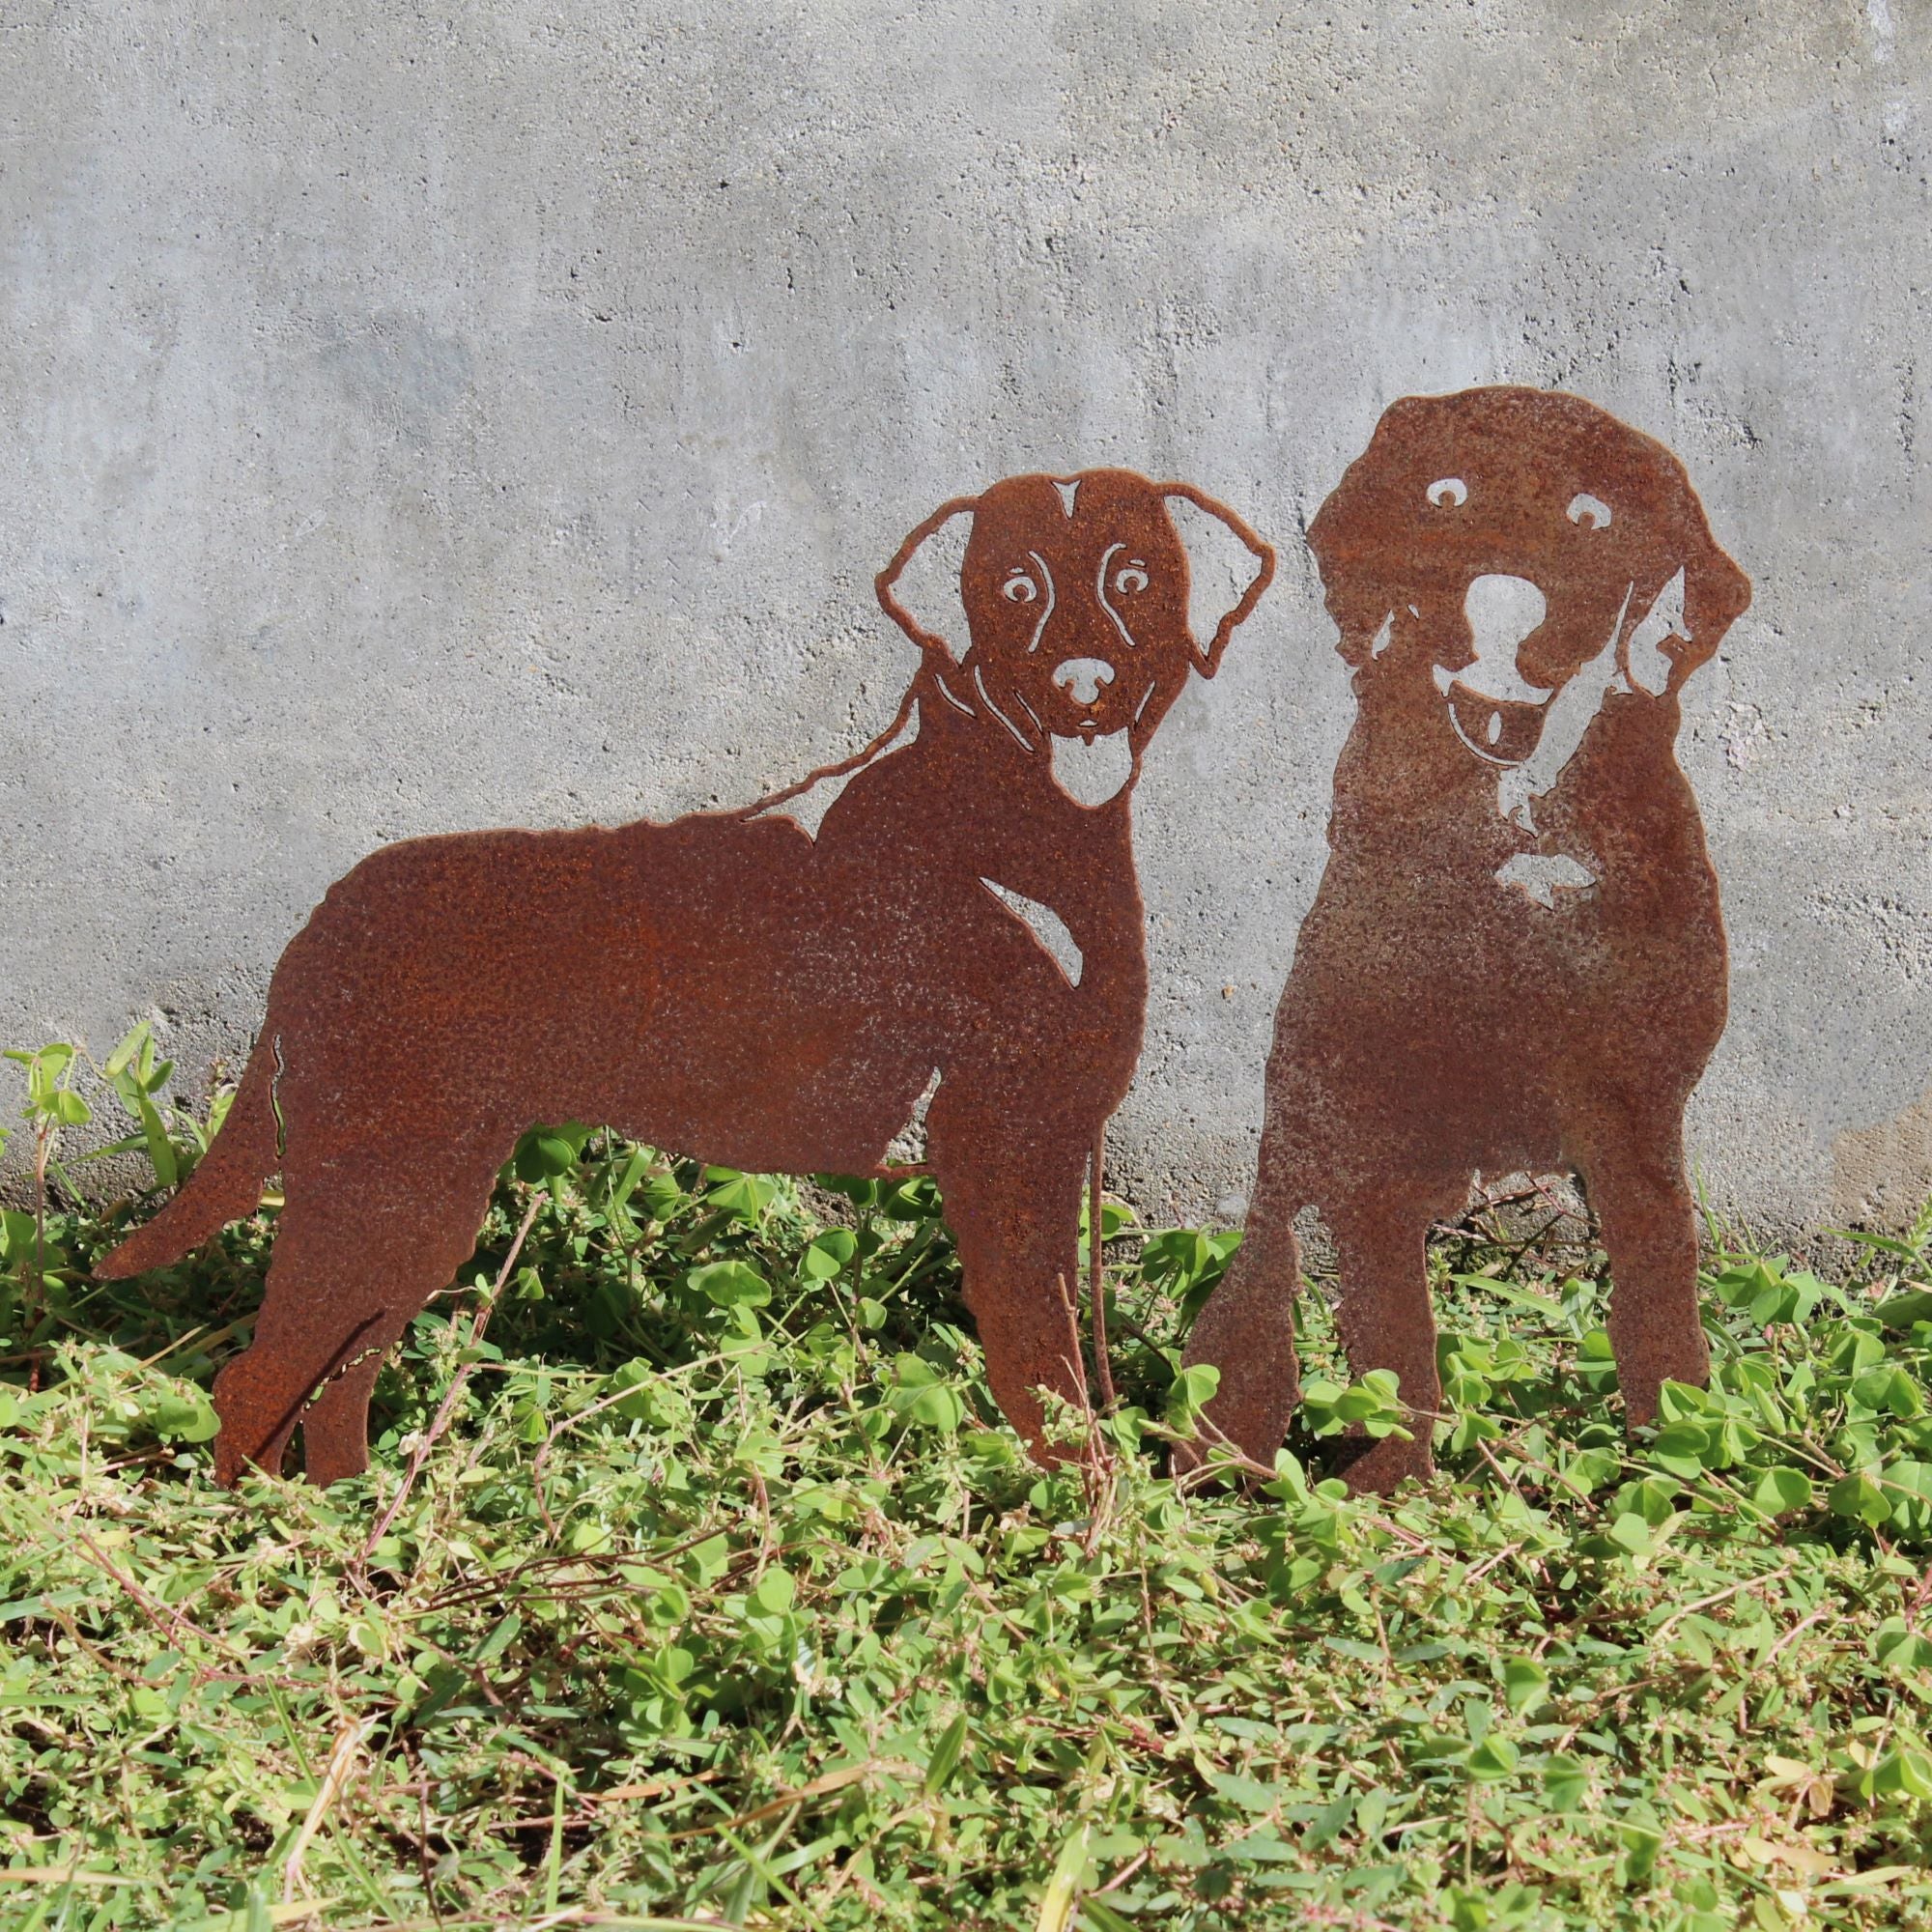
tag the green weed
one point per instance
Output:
(697, 1581)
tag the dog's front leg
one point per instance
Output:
(1386, 1322)
(1013, 1204)
(1246, 1332)
(1632, 1172)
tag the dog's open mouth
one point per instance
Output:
(1503, 730)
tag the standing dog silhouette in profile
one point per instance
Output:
(732, 987)
(1516, 958)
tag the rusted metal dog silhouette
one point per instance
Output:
(1516, 957)
(729, 986)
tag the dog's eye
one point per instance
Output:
(1448, 493)
(1019, 588)
(1130, 580)
(1591, 512)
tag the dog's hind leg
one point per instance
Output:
(355, 1258)
(1386, 1321)
(336, 1425)
(1632, 1175)
(317, 1312)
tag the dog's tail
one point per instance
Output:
(227, 1184)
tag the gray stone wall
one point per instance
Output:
(426, 418)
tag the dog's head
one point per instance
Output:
(1074, 592)
(1505, 538)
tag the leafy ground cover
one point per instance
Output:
(696, 1581)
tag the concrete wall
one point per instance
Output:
(422, 417)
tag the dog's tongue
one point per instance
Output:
(1092, 770)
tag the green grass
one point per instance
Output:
(722, 1596)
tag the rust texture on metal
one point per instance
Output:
(732, 987)
(1516, 957)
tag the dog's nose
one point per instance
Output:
(1502, 611)
(1083, 678)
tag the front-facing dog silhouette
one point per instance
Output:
(729, 986)
(1516, 958)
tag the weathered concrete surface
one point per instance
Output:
(420, 419)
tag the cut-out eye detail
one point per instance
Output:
(1019, 588)
(1448, 493)
(1126, 581)
(1591, 512)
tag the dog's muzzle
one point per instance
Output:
(1497, 713)
(1098, 760)
(1083, 679)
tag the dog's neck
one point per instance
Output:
(1409, 789)
(1405, 777)
(954, 703)
(966, 796)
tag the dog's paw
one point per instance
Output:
(1381, 1468)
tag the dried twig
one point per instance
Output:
(335, 1776)
(818, 1787)
(1676, 1617)
(1075, 1358)
(164, 1616)
(1100, 1470)
(448, 1406)
(1097, 1279)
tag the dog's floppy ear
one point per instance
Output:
(930, 560)
(1716, 594)
(1351, 552)
(1689, 611)
(1217, 605)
